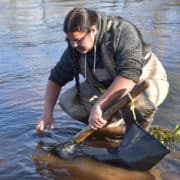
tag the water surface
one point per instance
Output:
(32, 41)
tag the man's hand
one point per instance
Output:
(95, 119)
(51, 95)
(120, 84)
(43, 123)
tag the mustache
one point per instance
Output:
(80, 48)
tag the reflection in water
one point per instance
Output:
(82, 168)
(86, 168)
(31, 43)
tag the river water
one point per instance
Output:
(31, 42)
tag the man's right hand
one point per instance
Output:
(43, 123)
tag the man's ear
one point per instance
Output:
(94, 29)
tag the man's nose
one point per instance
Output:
(74, 44)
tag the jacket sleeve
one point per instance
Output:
(62, 72)
(129, 56)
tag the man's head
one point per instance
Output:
(80, 26)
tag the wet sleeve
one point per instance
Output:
(130, 53)
(62, 72)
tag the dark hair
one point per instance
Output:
(80, 20)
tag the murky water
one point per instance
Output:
(31, 42)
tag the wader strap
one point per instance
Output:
(107, 58)
(76, 67)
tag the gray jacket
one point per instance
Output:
(117, 39)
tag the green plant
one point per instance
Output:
(166, 136)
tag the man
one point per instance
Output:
(112, 56)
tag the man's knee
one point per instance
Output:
(144, 111)
(145, 118)
(73, 105)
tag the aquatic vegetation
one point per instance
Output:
(166, 136)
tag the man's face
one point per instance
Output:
(83, 42)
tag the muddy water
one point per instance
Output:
(31, 43)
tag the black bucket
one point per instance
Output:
(138, 151)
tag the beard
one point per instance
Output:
(81, 50)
